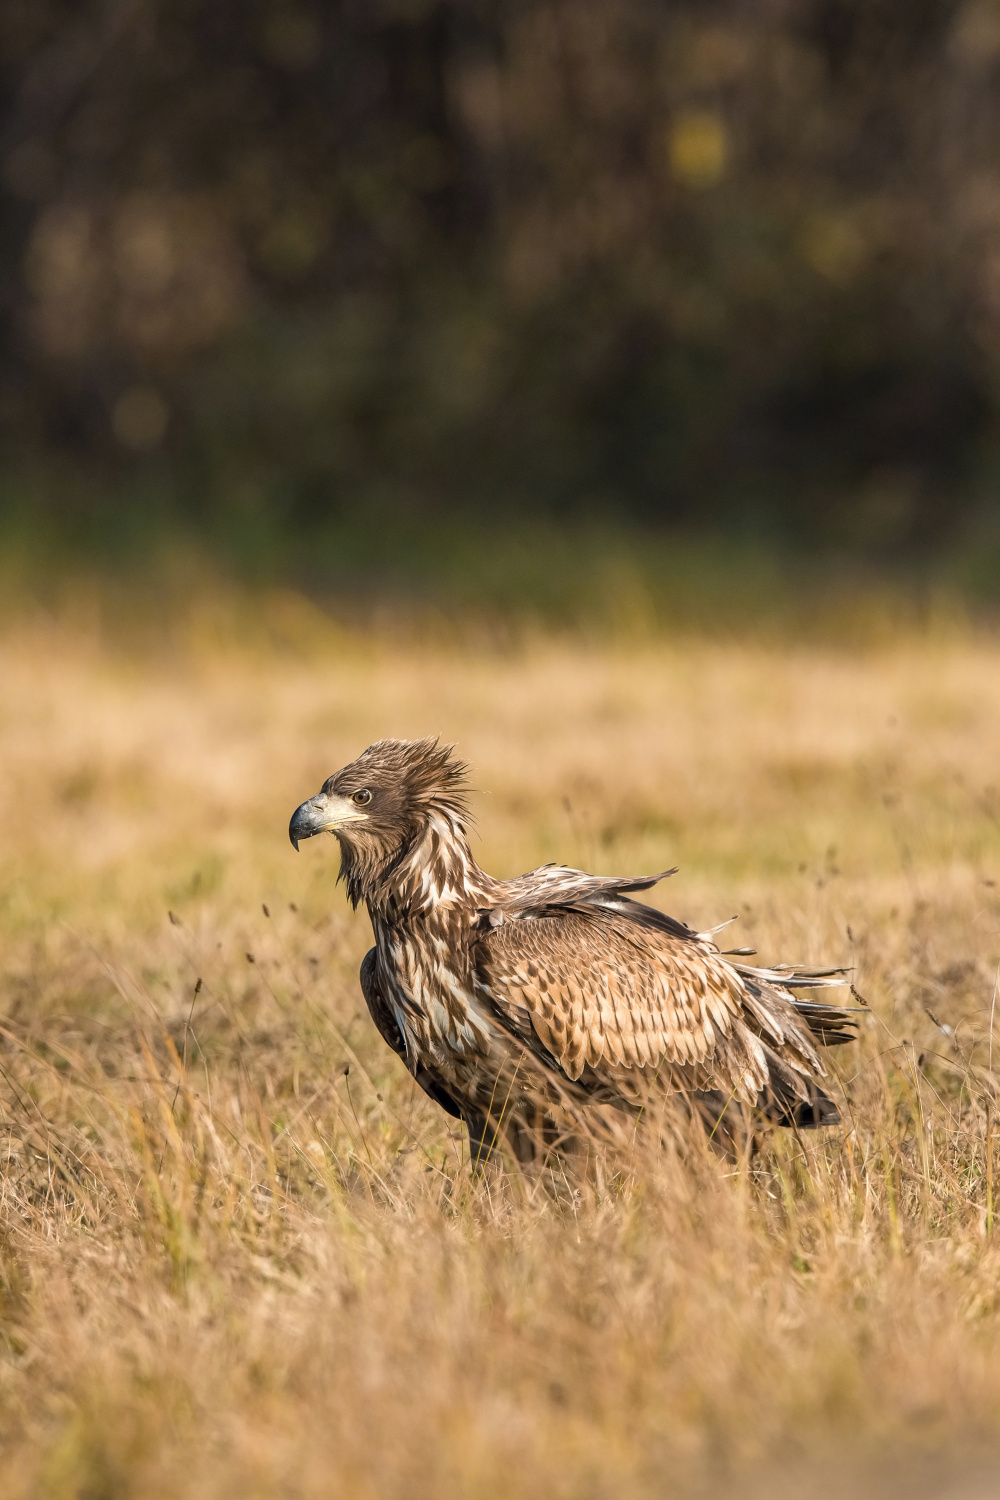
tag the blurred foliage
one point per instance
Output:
(281, 271)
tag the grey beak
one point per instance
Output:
(305, 822)
(323, 813)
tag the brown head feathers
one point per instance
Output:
(426, 773)
(407, 786)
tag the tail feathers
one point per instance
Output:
(831, 1025)
(796, 976)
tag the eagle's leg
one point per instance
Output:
(719, 1117)
(482, 1138)
(524, 1134)
(531, 1135)
(524, 1141)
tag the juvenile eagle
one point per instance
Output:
(505, 998)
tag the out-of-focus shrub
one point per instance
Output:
(279, 266)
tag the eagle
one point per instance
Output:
(518, 1003)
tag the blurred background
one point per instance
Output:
(416, 295)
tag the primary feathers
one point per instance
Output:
(509, 999)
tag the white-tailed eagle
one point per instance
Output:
(508, 998)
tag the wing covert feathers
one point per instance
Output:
(621, 999)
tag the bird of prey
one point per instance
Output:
(511, 999)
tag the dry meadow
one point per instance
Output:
(241, 1255)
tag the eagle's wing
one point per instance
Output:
(561, 885)
(604, 990)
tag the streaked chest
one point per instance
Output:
(422, 971)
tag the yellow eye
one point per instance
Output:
(362, 797)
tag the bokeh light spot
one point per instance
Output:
(833, 246)
(698, 148)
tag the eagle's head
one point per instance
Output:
(381, 803)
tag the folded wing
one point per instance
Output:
(618, 994)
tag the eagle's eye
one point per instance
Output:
(362, 797)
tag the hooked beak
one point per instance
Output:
(322, 814)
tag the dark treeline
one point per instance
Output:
(271, 266)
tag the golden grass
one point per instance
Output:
(243, 1256)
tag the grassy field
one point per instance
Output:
(242, 1256)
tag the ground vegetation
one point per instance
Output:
(242, 1254)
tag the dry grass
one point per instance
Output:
(231, 1267)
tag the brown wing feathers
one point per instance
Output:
(594, 994)
(606, 994)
